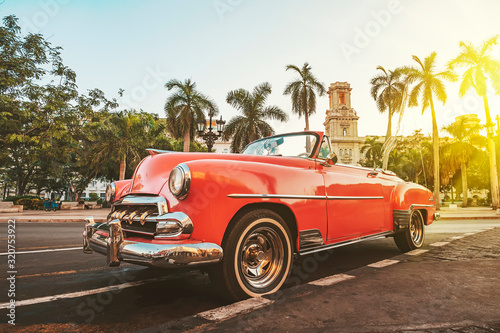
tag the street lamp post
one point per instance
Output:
(208, 134)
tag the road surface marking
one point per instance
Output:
(439, 244)
(457, 237)
(231, 310)
(383, 263)
(331, 280)
(470, 234)
(83, 293)
(42, 251)
(47, 247)
(46, 274)
(416, 252)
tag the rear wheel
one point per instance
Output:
(257, 256)
(412, 237)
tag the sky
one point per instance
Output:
(224, 45)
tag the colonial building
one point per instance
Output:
(341, 124)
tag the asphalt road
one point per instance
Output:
(92, 297)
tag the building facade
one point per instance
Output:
(341, 124)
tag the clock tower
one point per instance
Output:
(341, 124)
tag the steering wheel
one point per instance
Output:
(303, 154)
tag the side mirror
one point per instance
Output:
(331, 159)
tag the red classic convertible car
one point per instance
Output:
(247, 215)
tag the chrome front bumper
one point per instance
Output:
(118, 249)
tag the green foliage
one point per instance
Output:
(16, 198)
(36, 120)
(373, 153)
(251, 126)
(29, 202)
(93, 197)
(303, 91)
(184, 108)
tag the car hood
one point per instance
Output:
(153, 171)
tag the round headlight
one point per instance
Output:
(179, 181)
(110, 192)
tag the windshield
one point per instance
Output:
(301, 144)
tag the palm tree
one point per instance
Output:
(481, 66)
(429, 83)
(466, 137)
(127, 127)
(251, 126)
(388, 90)
(372, 150)
(302, 90)
(184, 108)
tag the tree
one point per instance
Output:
(388, 90)
(184, 108)
(303, 92)
(250, 125)
(466, 137)
(412, 157)
(481, 67)
(429, 84)
(36, 120)
(373, 151)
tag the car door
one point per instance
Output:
(355, 201)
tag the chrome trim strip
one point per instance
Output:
(354, 198)
(352, 241)
(292, 196)
(138, 232)
(276, 196)
(159, 202)
(152, 151)
(418, 205)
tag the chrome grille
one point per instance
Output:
(138, 214)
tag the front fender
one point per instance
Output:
(211, 206)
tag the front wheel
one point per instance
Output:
(412, 237)
(258, 254)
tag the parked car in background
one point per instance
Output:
(246, 216)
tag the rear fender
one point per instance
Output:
(408, 197)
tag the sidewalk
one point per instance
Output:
(101, 214)
(452, 287)
(468, 213)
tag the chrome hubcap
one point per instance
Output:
(416, 228)
(262, 257)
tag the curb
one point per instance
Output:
(470, 217)
(221, 314)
